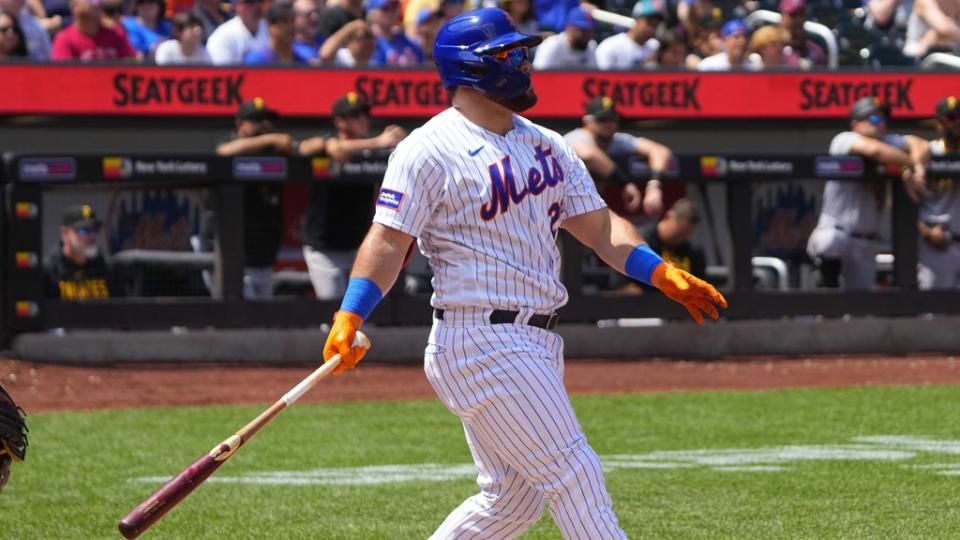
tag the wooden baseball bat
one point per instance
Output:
(177, 488)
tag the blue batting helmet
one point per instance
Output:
(464, 51)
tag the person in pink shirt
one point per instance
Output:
(87, 39)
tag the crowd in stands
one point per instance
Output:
(684, 34)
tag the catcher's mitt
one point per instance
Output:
(13, 435)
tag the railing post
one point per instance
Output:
(904, 239)
(740, 219)
(229, 241)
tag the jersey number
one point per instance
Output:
(554, 213)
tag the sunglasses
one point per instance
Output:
(877, 119)
(5, 29)
(514, 57)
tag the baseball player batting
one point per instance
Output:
(484, 191)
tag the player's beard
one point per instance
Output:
(518, 103)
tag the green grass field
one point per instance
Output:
(778, 464)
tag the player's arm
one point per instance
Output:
(312, 146)
(620, 245)
(658, 156)
(375, 270)
(280, 142)
(344, 149)
(880, 151)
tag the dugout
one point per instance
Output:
(124, 114)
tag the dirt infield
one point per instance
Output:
(48, 387)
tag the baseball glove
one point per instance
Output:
(13, 435)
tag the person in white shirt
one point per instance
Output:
(186, 47)
(573, 48)
(636, 46)
(735, 34)
(232, 40)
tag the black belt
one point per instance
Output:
(859, 235)
(502, 316)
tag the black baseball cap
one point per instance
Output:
(602, 108)
(256, 109)
(80, 216)
(948, 106)
(865, 106)
(279, 10)
(350, 104)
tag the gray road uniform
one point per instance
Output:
(940, 269)
(848, 228)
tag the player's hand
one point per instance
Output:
(282, 142)
(653, 200)
(632, 197)
(915, 181)
(391, 136)
(938, 237)
(340, 341)
(694, 293)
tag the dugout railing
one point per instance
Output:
(30, 178)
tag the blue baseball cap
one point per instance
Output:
(578, 17)
(648, 8)
(380, 4)
(734, 26)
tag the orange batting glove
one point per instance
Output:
(340, 341)
(694, 293)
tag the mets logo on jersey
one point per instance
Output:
(503, 185)
(389, 198)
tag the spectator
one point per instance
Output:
(636, 46)
(11, 45)
(425, 30)
(552, 14)
(75, 269)
(113, 16)
(450, 9)
(933, 23)
(705, 38)
(87, 39)
(147, 28)
(800, 51)
(232, 40)
(186, 47)
(888, 16)
(607, 153)
(670, 237)
(336, 16)
(30, 32)
(338, 215)
(306, 26)
(393, 46)
(673, 51)
(734, 56)
(212, 13)
(280, 49)
(353, 45)
(766, 46)
(572, 48)
(939, 219)
(524, 15)
(263, 214)
(846, 238)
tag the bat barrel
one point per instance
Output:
(164, 499)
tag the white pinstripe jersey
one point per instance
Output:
(485, 209)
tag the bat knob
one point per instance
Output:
(361, 340)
